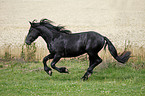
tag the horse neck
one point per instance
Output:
(48, 35)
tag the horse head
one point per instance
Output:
(33, 33)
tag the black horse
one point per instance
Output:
(62, 43)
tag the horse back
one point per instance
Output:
(80, 43)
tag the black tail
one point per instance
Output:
(122, 58)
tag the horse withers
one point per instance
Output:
(62, 43)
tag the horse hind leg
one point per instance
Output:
(94, 61)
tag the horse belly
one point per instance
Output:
(74, 51)
(75, 45)
(73, 54)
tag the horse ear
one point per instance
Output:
(30, 23)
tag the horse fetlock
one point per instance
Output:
(47, 68)
(89, 71)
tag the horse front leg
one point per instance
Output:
(55, 60)
(46, 68)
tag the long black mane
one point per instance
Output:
(49, 24)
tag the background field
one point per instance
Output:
(119, 20)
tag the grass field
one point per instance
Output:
(120, 21)
(109, 79)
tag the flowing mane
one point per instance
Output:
(58, 28)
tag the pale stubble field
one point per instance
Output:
(119, 20)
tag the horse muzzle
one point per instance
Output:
(28, 42)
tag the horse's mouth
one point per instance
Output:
(28, 42)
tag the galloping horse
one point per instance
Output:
(62, 43)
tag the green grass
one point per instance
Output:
(25, 79)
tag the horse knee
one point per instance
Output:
(50, 56)
(53, 65)
(45, 59)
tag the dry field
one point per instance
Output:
(119, 20)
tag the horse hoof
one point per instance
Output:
(66, 71)
(50, 73)
(63, 70)
(84, 78)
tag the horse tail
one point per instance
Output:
(122, 58)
